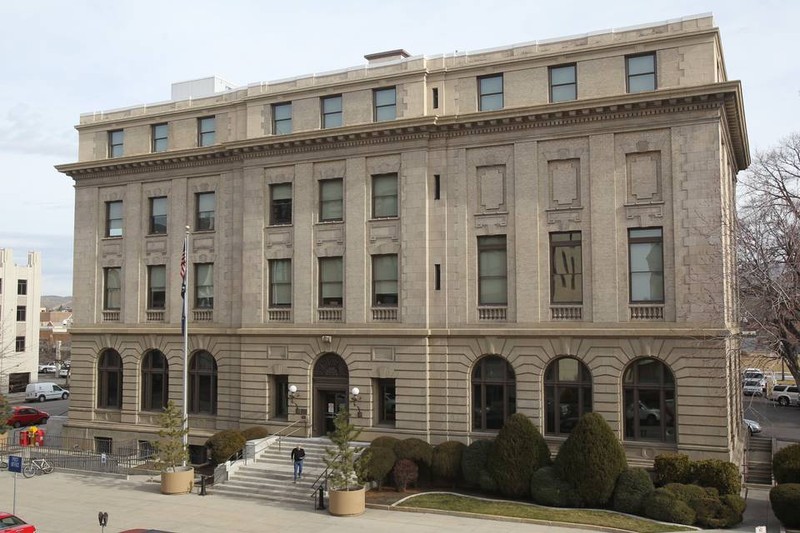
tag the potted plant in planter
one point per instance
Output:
(346, 493)
(171, 454)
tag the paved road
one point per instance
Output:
(777, 421)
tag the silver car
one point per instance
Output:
(752, 426)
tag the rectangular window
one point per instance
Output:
(331, 282)
(158, 215)
(641, 71)
(114, 219)
(563, 83)
(156, 286)
(332, 111)
(112, 285)
(103, 444)
(437, 187)
(206, 131)
(22, 287)
(280, 197)
(331, 200)
(280, 283)
(646, 261)
(437, 277)
(490, 92)
(116, 147)
(280, 396)
(384, 196)
(206, 203)
(204, 286)
(21, 313)
(20, 344)
(384, 280)
(566, 268)
(159, 135)
(386, 401)
(492, 270)
(435, 97)
(282, 118)
(385, 101)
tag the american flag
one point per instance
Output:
(183, 271)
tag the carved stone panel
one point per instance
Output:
(278, 239)
(383, 353)
(490, 223)
(644, 177)
(384, 230)
(646, 215)
(564, 179)
(329, 234)
(492, 188)
(111, 250)
(277, 352)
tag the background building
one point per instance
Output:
(545, 228)
(20, 294)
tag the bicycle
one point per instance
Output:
(36, 467)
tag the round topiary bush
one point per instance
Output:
(785, 502)
(672, 468)
(786, 464)
(405, 473)
(415, 449)
(473, 462)
(384, 442)
(519, 450)
(548, 489)
(223, 444)
(632, 486)
(378, 463)
(255, 432)
(446, 462)
(664, 506)
(591, 460)
(721, 475)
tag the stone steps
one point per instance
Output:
(759, 461)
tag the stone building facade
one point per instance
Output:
(545, 228)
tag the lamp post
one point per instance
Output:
(355, 396)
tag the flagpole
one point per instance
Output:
(185, 328)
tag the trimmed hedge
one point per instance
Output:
(548, 489)
(446, 462)
(665, 506)
(591, 460)
(672, 468)
(223, 444)
(415, 449)
(786, 464)
(785, 501)
(633, 485)
(406, 473)
(473, 465)
(518, 451)
(711, 510)
(378, 463)
(722, 475)
(384, 442)
(255, 432)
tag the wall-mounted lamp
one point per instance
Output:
(355, 396)
(292, 395)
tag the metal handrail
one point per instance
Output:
(287, 428)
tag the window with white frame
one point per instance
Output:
(112, 285)
(114, 219)
(156, 286)
(331, 282)
(384, 280)
(331, 200)
(204, 286)
(280, 283)
(566, 268)
(206, 205)
(280, 211)
(492, 270)
(646, 258)
(158, 215)
(384, 196)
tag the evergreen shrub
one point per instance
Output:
(548, 489)
(665, 506)
(255, 432)
(223, 444)
(519, 450)
(406, 473)
(446, 462)
(633, 484)
(722, 475)
(786, 464)
(672, 468)
(415, 449)
(384, 442)
(785, 502)
(473, 462)
(378, 463)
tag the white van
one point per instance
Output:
(45, 391)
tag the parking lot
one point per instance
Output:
(777, 421)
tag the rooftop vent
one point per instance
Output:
(385, 57)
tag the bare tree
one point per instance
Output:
(769, 249)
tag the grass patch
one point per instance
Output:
(465, 504)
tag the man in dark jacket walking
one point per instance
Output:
(298, 453)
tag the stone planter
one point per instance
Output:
(181, 481)
(347, 502)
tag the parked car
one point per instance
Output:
(47, 369)
(753, 387)
(11, 524)
(647, 415)
(784, 394)
(752, 426)
(22, 415)
(64, 372)
(45, 391)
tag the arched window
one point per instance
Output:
(649, 401)
(155, 381)
(494, 393)
(567, 393)
(203, 384)
(109, 380)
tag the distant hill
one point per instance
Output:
(54, 302)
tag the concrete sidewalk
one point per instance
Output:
(61, 502)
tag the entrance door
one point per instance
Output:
(334, 402)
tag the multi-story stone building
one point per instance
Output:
(544, 228)
(20, 297)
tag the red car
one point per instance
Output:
(11, 524)
(26, 416)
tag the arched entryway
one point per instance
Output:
(330, 391)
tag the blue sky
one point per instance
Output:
(61, 59)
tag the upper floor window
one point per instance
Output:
(641, 71)
(206, 131)
(566, 267)
(494, 393)
(206, 208)
(155, 381)
(114, 219)
(112, 285)
(109, 380)
(385, 101)
(646, 260)
(203, 384)
(331, 200)
(384, 280)
(19, 344)
(159, 135)
(158, 215)
(280, 283)
(280, 204)
(282, 118)
(563, 83)
(22, 287)
(204, 286)
(156, 286)
(492, 270)
(567, 393)
(490, 92)
(22, 313)
(332, 111)
(384, 196)
(116, 147)
(331, 282)
(648, 389)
